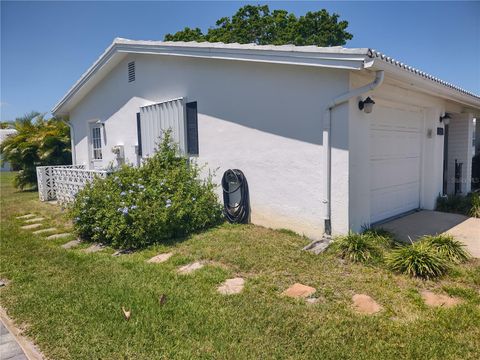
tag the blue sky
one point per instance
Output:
(46, 46)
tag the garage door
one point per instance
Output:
(395, 159)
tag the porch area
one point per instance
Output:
(62, 182)
(425, 222)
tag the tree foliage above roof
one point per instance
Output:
(257, 24)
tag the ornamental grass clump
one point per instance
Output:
(361, 248)
(447, 247)
(134, 207)
(419, 259)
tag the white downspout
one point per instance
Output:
(327, 146)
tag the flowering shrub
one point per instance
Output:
(134, 207)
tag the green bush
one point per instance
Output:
(135, 207)
(457, 204)
(475, 207)
(419, 259)
(447, 247)
(361, 248)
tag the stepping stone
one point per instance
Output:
(187, 269)
(122, 252)
(34, 220)
(438, 300)
(94, 248)
(41, 231)
(231, 286)
(160, 258)
(71, 244)
(25, 216)
(364, 304)
(58, 236)
(31, 226)
(298, 290)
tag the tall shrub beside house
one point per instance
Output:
(38, 142)
(135, 207)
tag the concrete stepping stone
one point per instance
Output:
(160, 258)
(189, 268)
(94, 248)
(364, 304)
(122, 252)
(31, 226)
(439, 300)
(58, 236)
(34, 220)
(72, 244)
(42, 231)
(298, 290)
(231, 286)
(25, 216)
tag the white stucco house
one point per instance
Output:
(298, 121)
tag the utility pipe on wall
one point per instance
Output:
(327, 146)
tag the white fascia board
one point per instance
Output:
(339, 58)
(426, 85)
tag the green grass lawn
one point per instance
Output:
(69, 302)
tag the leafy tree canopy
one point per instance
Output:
(38, 142)
(257, 24)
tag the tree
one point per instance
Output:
(257, 24)
(38, 142)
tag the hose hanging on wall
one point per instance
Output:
(236, 201)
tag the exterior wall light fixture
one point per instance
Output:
(445, 119)
(366, 105)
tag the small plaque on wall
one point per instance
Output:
(439, 130)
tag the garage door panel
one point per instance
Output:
(395, 158)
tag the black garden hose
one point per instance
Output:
(240, 212)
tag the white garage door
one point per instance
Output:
(395, 160)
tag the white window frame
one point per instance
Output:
(91, 149)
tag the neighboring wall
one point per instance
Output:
(459, 140)
(265, 119)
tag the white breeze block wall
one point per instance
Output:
(265, 119)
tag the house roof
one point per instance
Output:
(327, 57)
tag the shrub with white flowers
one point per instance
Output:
(134, 207)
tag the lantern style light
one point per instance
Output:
(366, 105)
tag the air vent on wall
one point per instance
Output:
(131, 71)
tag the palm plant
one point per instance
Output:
(38, 142)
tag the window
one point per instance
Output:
(192, 128)
(97, 143)
(131, 71)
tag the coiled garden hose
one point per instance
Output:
(236, 207)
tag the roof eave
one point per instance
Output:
(425, 84)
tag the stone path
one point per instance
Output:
(232, 286)
(160, 258)
(438, 300)
(42, 231)
(25, 216)
(58, 236)
(298, 290)
(31, 226)
(189, 268)
(94, 248)
(72, 244)
(34, 220)
(364, 304)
